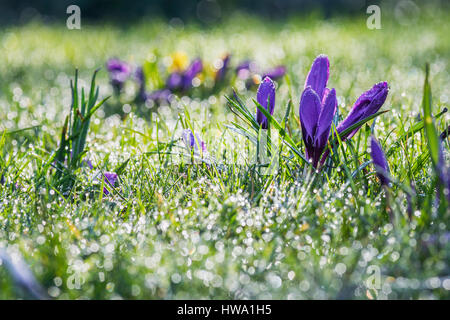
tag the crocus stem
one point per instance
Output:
(388, 203)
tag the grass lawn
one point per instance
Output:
(174, 226)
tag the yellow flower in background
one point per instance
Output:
(209, 70)
(179, 61)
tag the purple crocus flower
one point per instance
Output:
(162, 95)
(317, 108)
(109, 178)
(183, 80)
(379, 161)
(245, 69)
(264, 96)
(367, 104)
(174, 81)
(275, 73)
(119, 71)
(220, 73)
(193, 143)
(191, 72)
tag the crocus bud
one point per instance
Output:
(193, 143)
(266, 98)
(379, 161)
(367, 104)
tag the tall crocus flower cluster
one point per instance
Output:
(266, 98)
(317, 108)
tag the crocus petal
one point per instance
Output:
(188, 138)
(367, 104)
(266, 91)
(324, 125)
(379, 160)
(318, 76)
(309, 112)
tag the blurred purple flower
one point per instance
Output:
(183, 80)
(245, 69)
(275, 73)
(191, 72)
(119, 71)
(379, 161)
(266, 98)
(221, 72)
(174, 81)
(317, 108)
(110, 178)
(162, 95)
(192, 142)
(140, 80)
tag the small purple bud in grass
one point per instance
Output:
(110, 178)
(317, 108)
(265, 94)
(192, 142)
(2, 179)
(191, 72)
(367, 104)
(379, 161)
(87, 163)
(221, 72)
(119, 71)
(275, 73)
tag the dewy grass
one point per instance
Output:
(175, 224)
